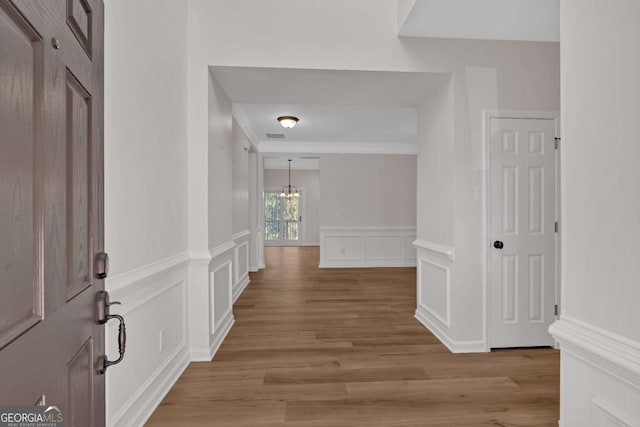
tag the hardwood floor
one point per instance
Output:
(340, 347)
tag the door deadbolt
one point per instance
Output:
(102, 265)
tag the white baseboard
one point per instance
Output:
(240, 287)
(270, 244)
(141, 406)
(367, 264)
(454, 346)
(219, 336)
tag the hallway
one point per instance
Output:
(340, 347)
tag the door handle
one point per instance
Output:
(498, 244)
(104, 316)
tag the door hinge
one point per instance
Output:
(556, 142)
(555, 226)
(555, 310)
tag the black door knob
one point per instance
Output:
(498, 244)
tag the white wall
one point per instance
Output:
(598, 329)
(240, 170)
(368, 190)
(151, 194)
(367, 210)
(435, 171)
(220, 165)
(242, 236)
(309, 180)
(255, 198)
(213, 272)
(485, 74)
(145, 134)
(146, 200)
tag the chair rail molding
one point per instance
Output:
(240, 234)
(219, 250)
(599, 375)
(146, 272)
(435, 249)
(609, 352)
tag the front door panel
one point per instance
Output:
(51, 171)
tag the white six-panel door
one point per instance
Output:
(522, 218)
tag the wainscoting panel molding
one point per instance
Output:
(241, 263)
(600, 370)
(345, 247)
(219, 280)
(435, 306)
(218, 312)
(434, 292)
(154, 304)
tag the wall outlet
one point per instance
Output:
(161, 340)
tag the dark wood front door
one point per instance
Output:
(51, 213)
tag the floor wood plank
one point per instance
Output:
(340, 347)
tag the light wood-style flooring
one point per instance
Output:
(340, 347)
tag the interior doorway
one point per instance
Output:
(522, 228)
(291, 202)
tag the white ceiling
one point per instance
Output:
(339, 111)
(327, 87)
(297, 163)
(530, 20)
(334, 124)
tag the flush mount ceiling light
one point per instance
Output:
(288, 121)
(289, 191)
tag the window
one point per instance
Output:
(282, 219)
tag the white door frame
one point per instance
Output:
(487, 115)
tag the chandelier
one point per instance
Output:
(289, 191)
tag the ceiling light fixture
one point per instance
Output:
(288, 121)
(289, 191)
